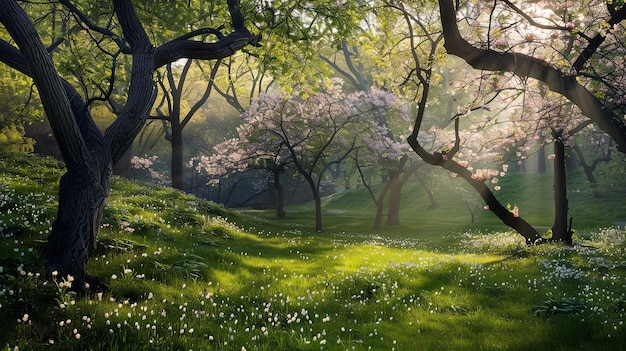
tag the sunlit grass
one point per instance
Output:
(190, 275)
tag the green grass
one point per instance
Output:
(190, 275)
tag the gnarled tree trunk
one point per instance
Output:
(89, 155)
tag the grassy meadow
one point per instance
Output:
(186, 274)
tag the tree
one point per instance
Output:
(253, 148)
(577, 80)
(559, 53)
(423, 45)
(89, 154)
(314, 133)
(176, 117)
(392, 156)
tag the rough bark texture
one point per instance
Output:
(88, 155)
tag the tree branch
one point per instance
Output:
(528, 66)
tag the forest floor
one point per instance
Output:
(186, 274)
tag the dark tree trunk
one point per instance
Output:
(88, 155)
(177, 160)
(589, 168)
(395, 195)
(378, 201)
(380, 206)
(514, 221)
(560, 232)
(379, 215)
(280, 195)
(82, 197)
(318, 212)
(122, 167)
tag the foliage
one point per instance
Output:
(564, 305)
(18, 106)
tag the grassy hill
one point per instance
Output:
(187, 274)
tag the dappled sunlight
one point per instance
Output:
(186, 274)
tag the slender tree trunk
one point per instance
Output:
(560, 231)
(318, 212)
(380, 206)
(395, 195)
(280, 195)
(379, 215)
(177, 168)
(514, 221)
(590, 168)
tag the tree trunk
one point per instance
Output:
(318, 212)
(512, 220)
(280, 195)
(176, 166)
(82, 197)
(395, 195)
(88, 155)
(560, 231)
(379, 215)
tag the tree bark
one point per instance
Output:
(380, 206)
(560, 231)
(318, 212)
(88, 155)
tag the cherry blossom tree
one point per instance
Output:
(455, 153)
(388, 154)
(253, 148)
(575, 49)
(312, 133)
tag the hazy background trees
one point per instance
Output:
(531, 87)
